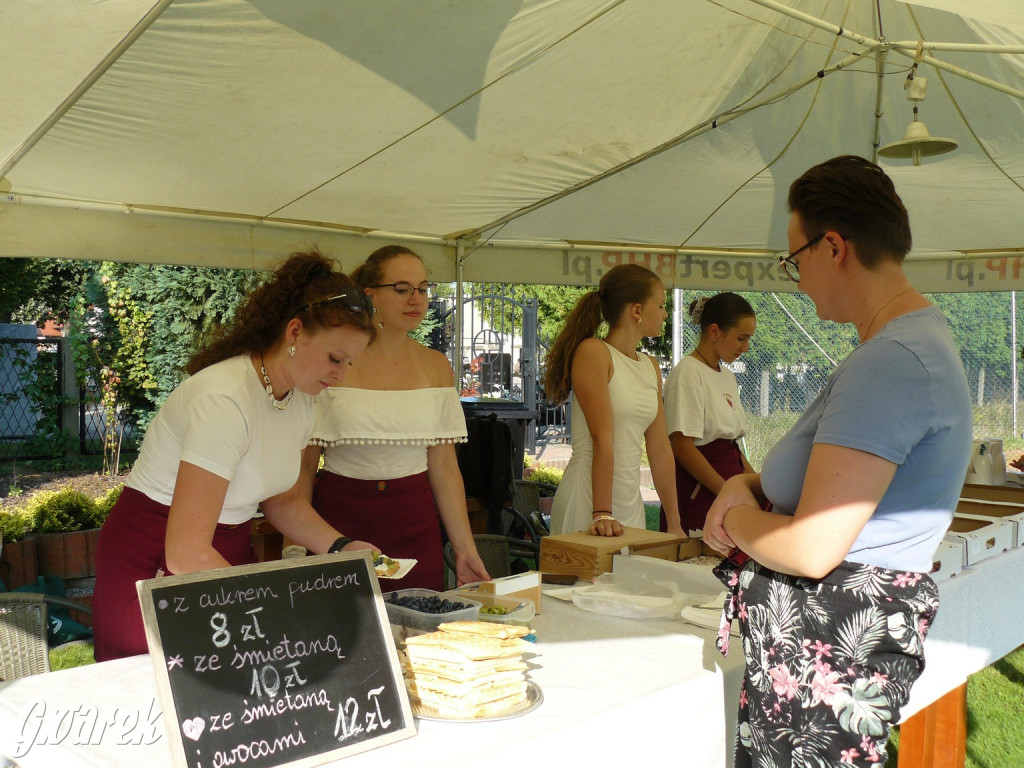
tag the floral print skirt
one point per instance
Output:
(829, 662)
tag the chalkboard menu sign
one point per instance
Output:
(282, 663)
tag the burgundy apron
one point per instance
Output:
(695, 500)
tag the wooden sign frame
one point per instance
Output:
(300, 645)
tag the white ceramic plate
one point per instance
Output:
(534, 697)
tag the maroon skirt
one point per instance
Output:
(397, 516)
(695, 500)
(131, 548)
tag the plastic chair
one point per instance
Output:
(526, 499)
(24, 624)
(23, 647)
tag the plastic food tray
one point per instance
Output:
(406, 622)
(521, 610)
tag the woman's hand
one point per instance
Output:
(606, 526)
(469, 568)
(735, 491)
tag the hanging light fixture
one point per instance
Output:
(916, 142)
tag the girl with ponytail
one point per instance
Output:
(229, 441)
(616, 406)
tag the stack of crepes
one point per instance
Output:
(468, 669)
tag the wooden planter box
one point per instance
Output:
(18, 563)
(67, 555)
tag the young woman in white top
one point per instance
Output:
(390, 431)
(616, 406)
(702, 402)
(229, 440)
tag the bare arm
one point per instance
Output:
(841, 491)
(450, 496)
(195, 508)
(591, 370)
(663, 471)
(292, 513)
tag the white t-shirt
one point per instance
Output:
(384, 434)
(702, 403)
(223, 421)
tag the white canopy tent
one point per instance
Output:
(505, 140)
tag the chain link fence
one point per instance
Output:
(793, 353)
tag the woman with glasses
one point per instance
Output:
(616, 406)
(389, 434)
(836, 600)
(229, 440)
(703, 409)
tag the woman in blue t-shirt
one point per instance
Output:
(835, 601)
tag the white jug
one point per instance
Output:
(979, 471)
(995, 452)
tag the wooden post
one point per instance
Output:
(936, 737)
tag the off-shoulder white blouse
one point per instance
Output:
(383, 434)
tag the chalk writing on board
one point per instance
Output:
(270, 664)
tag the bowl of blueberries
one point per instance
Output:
(418, 611)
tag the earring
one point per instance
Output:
(291, 351)
(380, 325)
(639, 319)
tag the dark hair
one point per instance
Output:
(723, 309)
(371, 271)
(855, 198)
(304, 278)
(620, 287)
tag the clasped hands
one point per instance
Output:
(735, 492)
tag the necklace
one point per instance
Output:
(890, 301)
(279, 404)
(709, 365)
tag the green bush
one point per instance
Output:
(105, 503)
(14, 524)
(62, 511)
(539, 473)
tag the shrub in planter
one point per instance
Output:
(18, 562)
(66, 523)
(14, 524)
(105, 503)
(63, 511)
(541, 474)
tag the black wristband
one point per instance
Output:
(339, 545)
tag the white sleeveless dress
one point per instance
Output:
(633, 390)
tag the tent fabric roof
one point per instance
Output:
(509, 140)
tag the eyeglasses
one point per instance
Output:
(789, 264)
(353, 298)
(405, 290)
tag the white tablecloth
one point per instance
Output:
(614, 690)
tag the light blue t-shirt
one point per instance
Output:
(903, 396)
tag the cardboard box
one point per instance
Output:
(983, 538)
(993, 511)
(522, 585)
(948, 559)
(1010, 492)
(587, 556)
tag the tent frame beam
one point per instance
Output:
(87, 82)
